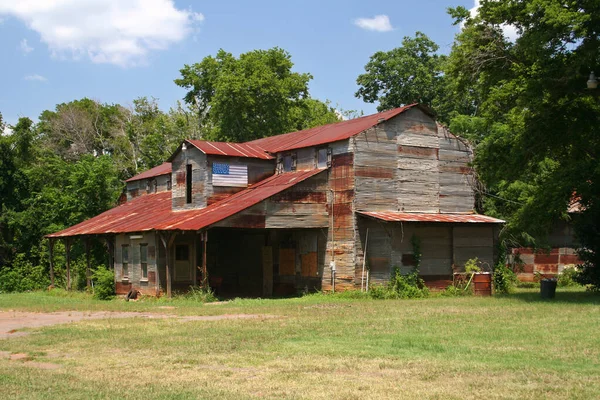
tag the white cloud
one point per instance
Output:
(105, 31)
(7, 131)
(379, 23)
(510, 31)
(35, 77)
(25, 48)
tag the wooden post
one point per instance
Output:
(87, 268)
(167, 240)
(68, 261)
(51, 252)
(204, 269)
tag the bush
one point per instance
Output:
(201, 294)
(504, 279)
(400, 287)
(455, 291)
(22, 276)
(104, 283)
(568, 277)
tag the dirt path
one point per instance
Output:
(11, 322)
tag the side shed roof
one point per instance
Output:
(153, 211)
(162, 169)
(394, 216)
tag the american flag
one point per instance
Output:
(225, 174)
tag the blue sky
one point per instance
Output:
(55, 51)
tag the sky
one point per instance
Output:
(113, 51)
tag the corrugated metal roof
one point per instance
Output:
(230, 149)
(394, 216)
(326, 133)
(162, 169)
(153, 211)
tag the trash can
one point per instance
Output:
(548, 288)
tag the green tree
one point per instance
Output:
(253, 96)
(538, 127)
(411, 73)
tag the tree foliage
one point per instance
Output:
(252, 96)
(537, 125)
(411, 73)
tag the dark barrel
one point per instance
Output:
(548, 288)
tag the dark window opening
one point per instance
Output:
(169, 182)
(144, 260)
(322, 157)
(182, 252)
(289, 162)
(188, 183)
(125, 261)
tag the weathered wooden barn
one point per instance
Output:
(300, 211)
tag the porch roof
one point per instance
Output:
(395, 216)
(153, 211)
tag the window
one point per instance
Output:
(148, 185)
(154, 186)
(169, 182)
(144, 260)
(188, 183)
(125, 261)
(323, 157)
(182, 252)
(289, 162)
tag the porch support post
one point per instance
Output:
(110, 245)
(87, 268)
(167, 240)
(68, 261)
(51, 254)
(204, 236)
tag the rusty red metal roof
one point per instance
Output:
(394, 216)
(162, 169)
(230, 149)
(326, 133)
(153, 211)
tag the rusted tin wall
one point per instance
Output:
(257, 171)
(198, 161)
(408, 164)
(527, 261)
(304, 205)
(441, 245)
(144, 186)
(340, 243)
(474, 241)
(146, 286)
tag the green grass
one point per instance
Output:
(321, 346)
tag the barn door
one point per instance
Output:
(183, 263)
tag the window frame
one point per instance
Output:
(144, 261)
(125, 262)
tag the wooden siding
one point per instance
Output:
(135, 281)
(140, 187)
(198, 161)
(474, 241)
(302, 206)
(409, 164)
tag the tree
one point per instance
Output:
(540, 128)
(253, 96)
(411, 73)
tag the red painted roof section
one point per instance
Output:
(230, 149)
(326, 133)
(162, 169)
(394, 216)
(153, 211)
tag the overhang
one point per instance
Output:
(153, 211)
(394, 216)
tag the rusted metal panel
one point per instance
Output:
(246, 150)
(327, 133)
(428, 217)
(374, 172)
(153, 211)
(163, 169)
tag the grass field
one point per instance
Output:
(318, 347)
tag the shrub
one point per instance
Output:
(568, 277)
(23, 276)
(455, 291)
(408, 286)
(504, 279)
(471, 266)
(104, 283)
(203, 295)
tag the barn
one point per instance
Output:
(317, 209)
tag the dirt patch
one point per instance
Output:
(41, 365)
(11, 322)
(19, 357)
